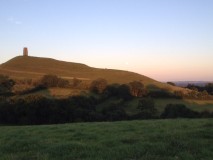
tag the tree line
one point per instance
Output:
(37, 109)
(135, 88)
(208, 88)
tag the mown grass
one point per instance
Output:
(189, 139)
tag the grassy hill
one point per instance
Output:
(134, 140)
(35, 67)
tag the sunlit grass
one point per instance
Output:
(34, 68)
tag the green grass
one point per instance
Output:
(184, 139)
(160, 104)
(196, 105)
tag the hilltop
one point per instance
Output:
(21, 67)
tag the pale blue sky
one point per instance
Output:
(163, 39)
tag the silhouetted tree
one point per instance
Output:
(124, 92)
(53, 81)
(161, 93)
(111, 90)
(178, 110)
(6, 84)
(206, 114)
(76, 82)
(98, 85)
(114, 112)
(137, 89)
(179, 94)
(147, 108)
(209, 88)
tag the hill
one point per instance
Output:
(35, 67)
(196, 83)
(148, 140)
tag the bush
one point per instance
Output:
(118, 91)
(53, 81)
(178, 110)
(6, 85)
(179, 94)
(137, 89)
(76, 82)
(206, 114)
(114, 112)
(147, 108)
(98, 85)
(31, 90)
(161, 94)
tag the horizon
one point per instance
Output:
(164, 40)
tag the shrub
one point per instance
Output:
(114, 112)
(161, 94)
(53, 81)
(178, 110)
(118, 91)
(179, 94)
(137, 89)
(206, 114)
(98, 85)
(6, 85)
(147, 108)
(76, 82)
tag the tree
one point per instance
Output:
(193, 94)
(203, 94)
(209, 88)
(118, 91)
(178, 110)
(6, 84)
(76, 82)
(98, 85)
(111, 90)
(114, 112)
(123, 92)
(147, 108)
(137, 89)
(179, 94)
(53, 81)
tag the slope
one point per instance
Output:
(35, 67)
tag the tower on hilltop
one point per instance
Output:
(25, 51)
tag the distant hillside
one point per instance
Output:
(35, 67)
(197, 83)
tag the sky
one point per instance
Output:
(167, 40)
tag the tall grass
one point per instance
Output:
(188, 139)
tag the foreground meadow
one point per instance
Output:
(189, 139)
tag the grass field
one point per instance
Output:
(180, 139)
(196, 105)
(131, 107)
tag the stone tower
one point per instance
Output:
(25, 51)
